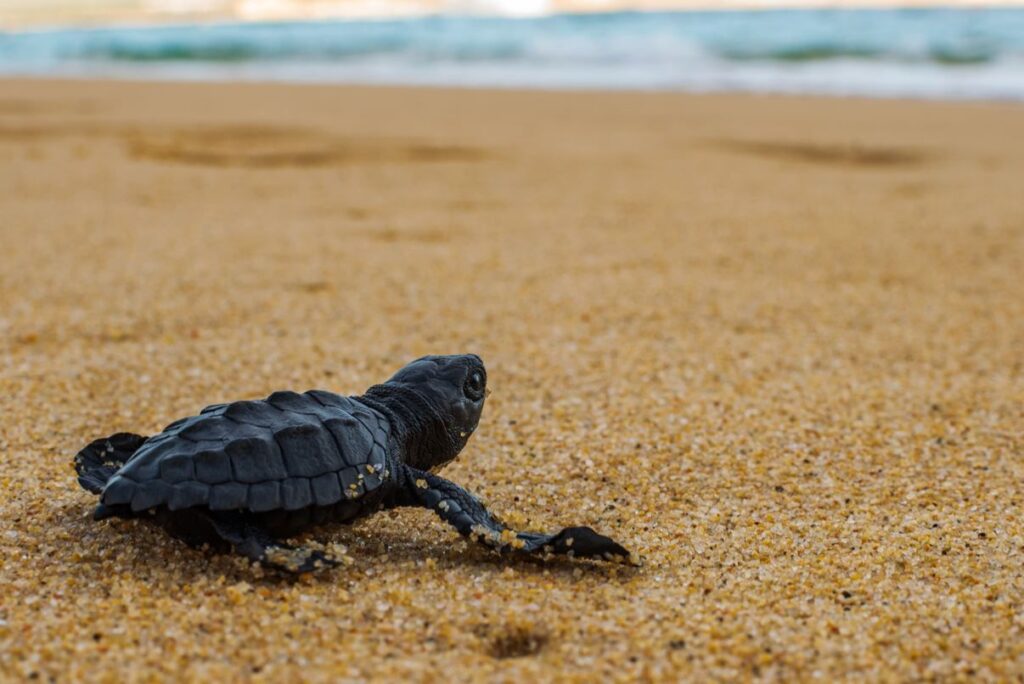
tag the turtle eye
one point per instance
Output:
(474, 388)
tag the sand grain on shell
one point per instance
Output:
(792, 384)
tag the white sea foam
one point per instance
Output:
(888, 53)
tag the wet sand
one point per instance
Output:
(775, 346)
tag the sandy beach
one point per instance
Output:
(773, 345)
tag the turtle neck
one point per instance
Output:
(426, 438)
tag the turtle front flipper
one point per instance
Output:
(579, 542)
(258, 546)
(467, 515)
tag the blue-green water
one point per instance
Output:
(940, 53)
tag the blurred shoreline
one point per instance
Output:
(17, 15)
(907, 53)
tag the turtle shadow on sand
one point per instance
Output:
(387, 542)
(367, 544)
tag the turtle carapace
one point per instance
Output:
(249, 474)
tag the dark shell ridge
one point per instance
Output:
(286, 452)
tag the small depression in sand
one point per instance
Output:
(831, 154)
(270, 147)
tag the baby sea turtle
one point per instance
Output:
(248, 474)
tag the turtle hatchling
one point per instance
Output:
(250, 474)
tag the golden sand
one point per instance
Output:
(773, 345)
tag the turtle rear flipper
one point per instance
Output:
(97, 463)
(258, 546)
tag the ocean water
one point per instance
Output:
(922, 53)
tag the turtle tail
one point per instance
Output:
(97, 463)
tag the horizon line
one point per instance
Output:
(32, 18)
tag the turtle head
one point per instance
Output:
(439, 399)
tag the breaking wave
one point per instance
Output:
(944, 53)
